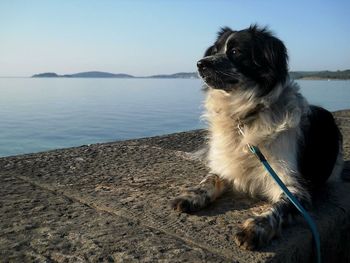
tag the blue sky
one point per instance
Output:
(151, 37)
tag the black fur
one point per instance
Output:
(319, 147)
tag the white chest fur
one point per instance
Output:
(275, 133)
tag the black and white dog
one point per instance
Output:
(248, 89)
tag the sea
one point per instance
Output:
(40, 114)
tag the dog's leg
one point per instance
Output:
(258, 231)
(194, 199)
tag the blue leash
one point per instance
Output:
(255, 150)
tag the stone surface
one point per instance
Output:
(110, 203)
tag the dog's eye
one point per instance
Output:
(234, 51)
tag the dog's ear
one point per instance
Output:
(269, 54)
(222, 35)
(276, 55)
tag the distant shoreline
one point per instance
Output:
(99, 74)
(297, 75)
(302, 75)
(26, 77)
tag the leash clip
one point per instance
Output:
(240, 127)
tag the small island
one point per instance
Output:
(89, 74)
(100, 74)
(46, 75)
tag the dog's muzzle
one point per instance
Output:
(218, 72)
(202, 64)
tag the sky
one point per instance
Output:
(161, 37)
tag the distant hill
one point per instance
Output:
(98, 74)
(89, 74)
(340, 74)
(326, 74)
(46, 75)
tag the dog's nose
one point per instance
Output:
(202, 64)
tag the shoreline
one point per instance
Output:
(339, 113)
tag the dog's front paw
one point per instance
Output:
(190, 201)
(183, 204)
(255, 233)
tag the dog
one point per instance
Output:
(250, 99)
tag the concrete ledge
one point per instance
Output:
(109, 203)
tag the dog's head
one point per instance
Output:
(252, 57)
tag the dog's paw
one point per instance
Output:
(255, 233)
(183, 204)
(190, 201)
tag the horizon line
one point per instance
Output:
(135, 76)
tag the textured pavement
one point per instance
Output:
(110, 203)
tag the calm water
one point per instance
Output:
(44, 114)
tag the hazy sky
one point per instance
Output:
(151, 37)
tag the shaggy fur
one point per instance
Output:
(250, 99)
